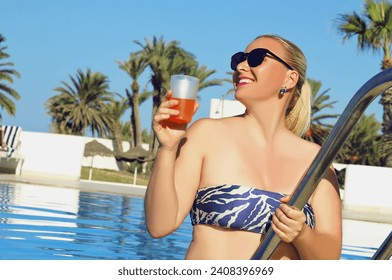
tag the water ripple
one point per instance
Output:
(39, 222)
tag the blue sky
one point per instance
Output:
(50, 40)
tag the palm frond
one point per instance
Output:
(82, 104)
(7, 74)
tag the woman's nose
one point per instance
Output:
(243, 66)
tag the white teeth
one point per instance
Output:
(248, 81)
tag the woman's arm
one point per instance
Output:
(174, 179)
(325, 241)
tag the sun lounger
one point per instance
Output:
(10, 159)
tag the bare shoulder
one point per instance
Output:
(303, 149)
(202, 125)
(209, 128)
(309, 146)
(313, 149)
(197, 135)
(328, 185)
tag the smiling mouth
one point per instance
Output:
(244, 81)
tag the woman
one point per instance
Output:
(231, 173)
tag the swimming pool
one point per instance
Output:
(39, 222)
(51, 223)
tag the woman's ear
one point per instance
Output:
(292, 79)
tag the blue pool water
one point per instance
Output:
(40, 222)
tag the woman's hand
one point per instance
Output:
(169, 134)
(288, 221)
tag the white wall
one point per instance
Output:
(61, 156)
(104, 162)
(221, 108)
(51, 155)
(368, 188)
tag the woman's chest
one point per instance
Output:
(234, 163)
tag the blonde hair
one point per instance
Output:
(299, 109)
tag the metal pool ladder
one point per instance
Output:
(351, 114)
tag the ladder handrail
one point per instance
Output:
(385, 250)
(328, 151)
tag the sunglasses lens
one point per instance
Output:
(256, 57)
(237, 59)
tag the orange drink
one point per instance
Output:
(184, 89)
(185, 106)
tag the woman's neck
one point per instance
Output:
(265, 120)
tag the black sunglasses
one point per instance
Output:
(254, 58)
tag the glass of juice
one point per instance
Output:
(184, 89)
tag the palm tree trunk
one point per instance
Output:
(131, 135)
(153, 141)
(117, 146)
(136, 120)
(132, 121)
(386, 140)
(135, 117)
(156, 101)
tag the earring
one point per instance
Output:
(282, 90)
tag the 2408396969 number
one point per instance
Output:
(239, 270)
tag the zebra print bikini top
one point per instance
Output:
(239, 207)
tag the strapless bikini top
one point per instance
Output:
(239, 207)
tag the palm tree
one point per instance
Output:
(373, 30)
(7, 74)
(362, 145)
(55, 106)
(158, 55)
(165, 59)
(230, 81)
(318, 130)
(117, 109)
(202, 73)
(82, 105)
(134, 67)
